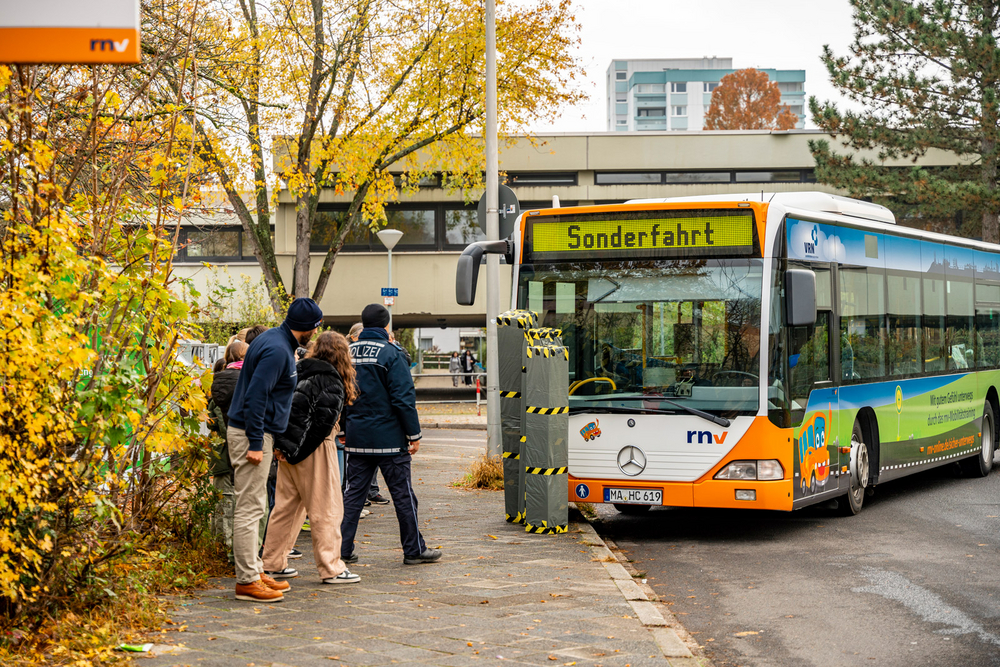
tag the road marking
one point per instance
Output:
(929, 606)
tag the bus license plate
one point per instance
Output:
(634, 496)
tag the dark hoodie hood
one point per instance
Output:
(310, 367)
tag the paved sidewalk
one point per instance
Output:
(499, 595)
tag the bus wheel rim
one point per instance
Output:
(857, 487)
(986, 447)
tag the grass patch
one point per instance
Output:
(485, 472)
(587, 509)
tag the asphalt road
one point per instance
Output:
(912, 580)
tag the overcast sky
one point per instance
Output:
(779, 34)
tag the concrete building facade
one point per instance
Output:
(673, 94)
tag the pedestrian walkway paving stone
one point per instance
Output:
(498, 596)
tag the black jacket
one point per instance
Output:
(383, 420)
(223, 385)
(316, 406)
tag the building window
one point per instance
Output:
(627, 178)
(790, 86)
(542, 178)
(798, 110)
(651, 88)
(698, 177)
(621, 97)
(655, 111)
(327, 225)
(678, 111)
(709, 86)
(461, 226)
(417, 226)
(678, 87)
(215, 244)
(768, 176)
(621, 76)
(621, 121)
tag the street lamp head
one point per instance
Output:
(389, 237)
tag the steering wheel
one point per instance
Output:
(755, 378)
(579, 383)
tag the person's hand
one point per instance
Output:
(255, 457)
(278, 455)
(414, 446)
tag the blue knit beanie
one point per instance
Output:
(304, 315)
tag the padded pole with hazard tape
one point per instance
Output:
(546, 337)
(511, 328)
(545, 448)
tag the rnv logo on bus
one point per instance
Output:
(108, 44)
(706, 437)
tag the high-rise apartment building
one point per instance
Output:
(675, 93)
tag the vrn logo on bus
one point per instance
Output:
(810, 248)
(706, 437)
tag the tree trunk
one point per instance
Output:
(350, 222)
(302, 233)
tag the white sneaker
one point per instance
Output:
(365, 513)
(345, 577)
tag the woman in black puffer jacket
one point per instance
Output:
(309, 476)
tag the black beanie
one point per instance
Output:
(375, 315)
(304, 315)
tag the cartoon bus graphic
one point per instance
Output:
(814, 457)
(591, 430)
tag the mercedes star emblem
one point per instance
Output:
(631, 460)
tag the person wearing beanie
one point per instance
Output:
(259, 409)
(383, 433)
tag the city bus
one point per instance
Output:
(767, 351)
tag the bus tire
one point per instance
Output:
(851, 503)
(632, 510)
(980, 466)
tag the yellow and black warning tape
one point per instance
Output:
(510, 394)
(543, 333)
(546, 471)
(517, 518)
(524, 439)
(511, 455)
(524, 319)
(547, 351)
(547, 411)
(544, 529)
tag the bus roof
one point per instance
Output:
(821, 202)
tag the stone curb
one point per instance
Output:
(674, 649)
(452, 427)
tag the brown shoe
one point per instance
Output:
(274, 585)
(257, 592)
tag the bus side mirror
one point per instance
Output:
(467, 272)
(800, 297)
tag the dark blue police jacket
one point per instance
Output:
(383, 420)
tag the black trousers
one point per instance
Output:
(396, 473)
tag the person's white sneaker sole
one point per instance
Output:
(337, 580)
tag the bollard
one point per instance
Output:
(511, 327)
(478, 410)
(544, 445)
(544, 336)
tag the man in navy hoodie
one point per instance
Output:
(259, 409)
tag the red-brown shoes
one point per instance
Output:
(258, 591)
(274, 585)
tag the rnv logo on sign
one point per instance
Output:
(706, 437)
(108, 45)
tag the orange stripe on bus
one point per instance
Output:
(69, 45)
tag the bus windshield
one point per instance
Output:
(657, 335)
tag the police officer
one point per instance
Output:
(383, 432)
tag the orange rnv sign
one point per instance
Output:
(69, 31)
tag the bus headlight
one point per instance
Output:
(770, 469)
(738, 470)
(763, 470)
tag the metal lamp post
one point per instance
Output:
(389, 238)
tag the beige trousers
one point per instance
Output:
(311, 487)
(250, 482)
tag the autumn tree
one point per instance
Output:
(747, 99)
(367, 96)
(925, 76)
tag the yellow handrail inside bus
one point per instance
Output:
(579, 383)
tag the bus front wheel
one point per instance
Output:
(631, 509)
(980, 466)
(855, 498)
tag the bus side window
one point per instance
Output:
(808, 361)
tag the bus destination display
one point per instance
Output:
(723, 232)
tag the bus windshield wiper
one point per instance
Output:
(721, 421)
